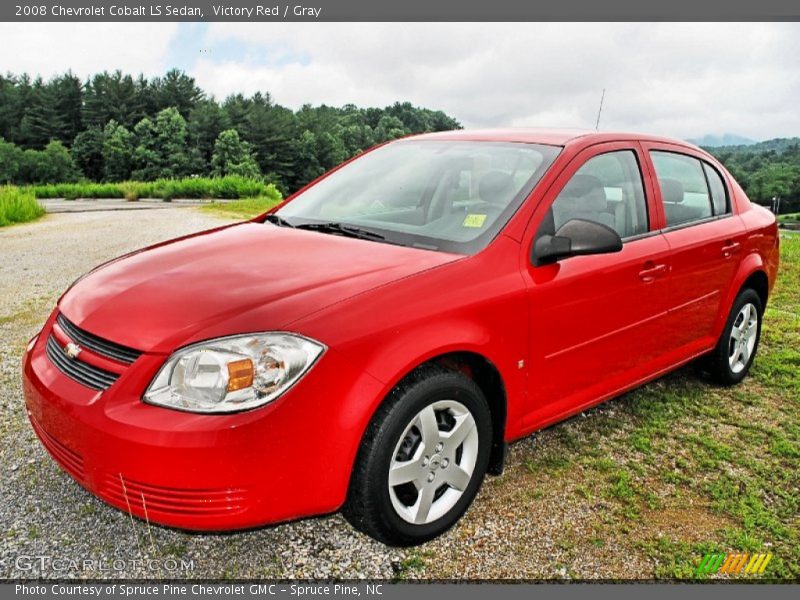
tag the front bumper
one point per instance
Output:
(288, 459)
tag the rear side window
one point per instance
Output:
(719, 194)
(684, 189)
(607, 189)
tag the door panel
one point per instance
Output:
(596, 321)
(704, 260)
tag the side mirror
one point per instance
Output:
(574, 238)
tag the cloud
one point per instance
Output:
(676, 79)
(48, 49)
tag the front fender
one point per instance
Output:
(398, 356)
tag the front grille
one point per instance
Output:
(70, 461)
(97, 345)
(157, 499)
(88, 375)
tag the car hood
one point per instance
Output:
(238, 279)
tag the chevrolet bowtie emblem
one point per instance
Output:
(72, 350)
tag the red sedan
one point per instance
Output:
(374, 343)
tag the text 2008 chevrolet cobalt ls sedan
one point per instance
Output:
(373, 343)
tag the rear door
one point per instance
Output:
(596, 321)
(705, 240)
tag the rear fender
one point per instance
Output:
(750, 264)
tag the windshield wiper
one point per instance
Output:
(339, 229)
(278, 220)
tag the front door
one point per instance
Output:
(595, 320)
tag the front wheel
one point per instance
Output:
(422, 459)
(733, 355)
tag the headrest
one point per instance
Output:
(580, 185)
(494, 187)
(586, 191)
(671, 190)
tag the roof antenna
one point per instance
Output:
(600, 111)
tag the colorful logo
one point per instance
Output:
(733, 564)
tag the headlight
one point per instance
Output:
(233, 373)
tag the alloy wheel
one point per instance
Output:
(743, 338)
(433, 462)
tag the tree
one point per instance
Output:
(115, 96)
(308, 167)
(68, 91)
(146, 156)
(389, 128)
(11, 92)
(118, 125)
(206, 121)
(161, 149)
(40, 121)
(270, 130)
(87, 151)
(117, 152)
(10, 162)
(232, 156)
(330, 150)
(171, 139)
(176, 90)
(54, 164)
(57, 165)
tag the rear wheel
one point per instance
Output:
(733, 355)
(422, 459)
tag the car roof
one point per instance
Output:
(553, 137)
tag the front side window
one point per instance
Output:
(608, 190)
(452, 196)
(684, 188)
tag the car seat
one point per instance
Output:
(584, 198)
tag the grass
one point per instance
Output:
(789, 218)
(644, 485)
(734, 451)
(230, 187)
(18, 206)
(246, 208)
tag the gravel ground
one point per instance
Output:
(585, 499)
(44, 513)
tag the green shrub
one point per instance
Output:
(72, 191)
(18, 206)
(231, 187)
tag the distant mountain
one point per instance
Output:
(726, 139)
(777, 146)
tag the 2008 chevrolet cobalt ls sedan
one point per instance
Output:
(373, 343)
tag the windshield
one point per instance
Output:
(452, 196)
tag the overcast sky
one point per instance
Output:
(684, 80)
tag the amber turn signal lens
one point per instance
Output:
(240, 374)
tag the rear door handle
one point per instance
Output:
(651, 271)
(730, 248)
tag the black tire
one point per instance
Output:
(369, 505)
(717, 363)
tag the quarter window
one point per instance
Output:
(607, 189)
(684, 188)
(719, 194)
